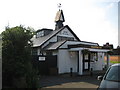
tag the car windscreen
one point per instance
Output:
(113, 74)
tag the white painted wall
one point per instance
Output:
(65, 62)
(98, 65)
(66, 33)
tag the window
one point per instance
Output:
(40, 33)
(86, 57)
(93, 56)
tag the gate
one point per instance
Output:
(47, 65)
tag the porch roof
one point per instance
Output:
(90, 49)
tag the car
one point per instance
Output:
(111, 79)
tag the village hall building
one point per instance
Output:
(60, 51)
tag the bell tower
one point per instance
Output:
(59, 19)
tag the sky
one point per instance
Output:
(91, 20)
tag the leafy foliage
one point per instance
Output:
(85, 51)
(16, 54)
(110, 52)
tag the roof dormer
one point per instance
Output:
(43, 32)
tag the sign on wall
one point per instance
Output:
(41, 58)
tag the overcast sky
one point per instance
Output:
(91, 20)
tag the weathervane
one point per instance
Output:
(59, 6)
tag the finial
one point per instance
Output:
(59, 6)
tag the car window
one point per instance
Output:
(113, 74)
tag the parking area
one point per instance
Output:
(66, 81)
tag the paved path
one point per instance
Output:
(65, 81)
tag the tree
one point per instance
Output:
(16, 56)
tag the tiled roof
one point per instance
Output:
(37, 42)
(55, 45)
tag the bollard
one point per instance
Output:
(71, 72)
(91, 72)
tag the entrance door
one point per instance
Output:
(86, 62)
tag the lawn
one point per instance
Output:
(114, 59)
(114, 62)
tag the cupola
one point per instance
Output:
(59, 19)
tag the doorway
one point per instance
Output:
(86, 62)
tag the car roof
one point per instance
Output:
(118, 64)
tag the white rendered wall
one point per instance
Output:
(99, 65)
(65, 62)
(66, 33)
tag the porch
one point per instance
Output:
(90, 63)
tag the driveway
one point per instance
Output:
(65, 81)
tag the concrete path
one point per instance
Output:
(65, 81)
